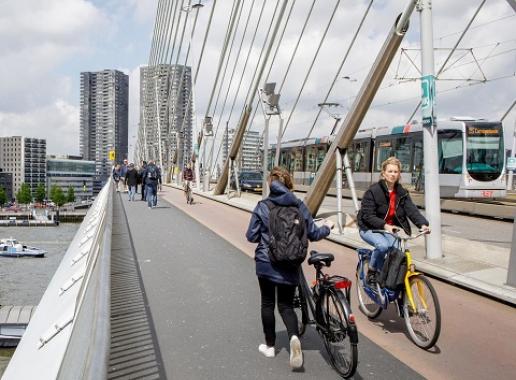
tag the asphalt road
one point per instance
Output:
(205, 304)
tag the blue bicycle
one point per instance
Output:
(416, 301)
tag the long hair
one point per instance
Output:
(281, 174)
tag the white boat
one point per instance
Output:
(12, 248)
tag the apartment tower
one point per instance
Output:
(104, 120)
(165, 124)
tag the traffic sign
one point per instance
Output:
(428, 99)
(111, 155)
(511, 163)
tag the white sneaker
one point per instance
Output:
(267, 351)
(296, 355)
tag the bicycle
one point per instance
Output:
(188, 193)
(328, 303)
(417, 302)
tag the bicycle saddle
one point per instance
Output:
(316, 257)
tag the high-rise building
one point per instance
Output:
(160, 137)
(249, 155)
(25, 159)
(104, 119)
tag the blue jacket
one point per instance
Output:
(258, 232)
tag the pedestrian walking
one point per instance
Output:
(274, 278)
(131, 181)
(115, 174)
(123, 173)
(152, 178)
(142, 177)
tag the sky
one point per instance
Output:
(46, 44)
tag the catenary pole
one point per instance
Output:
(431, 170)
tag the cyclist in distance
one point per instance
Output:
(188, 177)
(386, 205)
(271, 277)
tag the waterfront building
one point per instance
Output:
(6, 183)
(104, 120)
(165, 132)
(72, 171)
(250, 150)
(25, 159)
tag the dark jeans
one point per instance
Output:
(151, 192)
(285, 307)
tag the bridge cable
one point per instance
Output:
(235, 66)
(310, 68)
(338, 73)
(256, 68)
(154, 36)
(169, 31)
(229, 30)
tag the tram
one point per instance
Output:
(471, 157)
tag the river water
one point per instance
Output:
(24, 280)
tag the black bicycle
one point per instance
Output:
(328, 302)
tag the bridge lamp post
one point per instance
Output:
(207, 131)
(270, 106)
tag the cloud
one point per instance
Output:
(58, 123)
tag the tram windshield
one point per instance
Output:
(485, 150)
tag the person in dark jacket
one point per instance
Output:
(386, 205)
(152, 177)
(272, 278)
(142, 178)
(131, 181)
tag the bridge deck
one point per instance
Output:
(204, 300)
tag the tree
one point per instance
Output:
(57, 195)
(24, 195)
(70, 196)
(41, 193)
(3, 197)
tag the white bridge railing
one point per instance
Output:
(68, 336)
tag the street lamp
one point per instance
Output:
(207, 131)
(270, 106)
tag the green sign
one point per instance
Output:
(428, 99)
(511, 163)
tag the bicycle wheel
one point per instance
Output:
(301, 310)
(366, 305)
(341, 336)
(424, 323)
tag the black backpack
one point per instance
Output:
(288, 238)
(392, 275)
(152, 172)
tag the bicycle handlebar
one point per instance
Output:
(395, 234)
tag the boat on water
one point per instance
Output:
(12, 248)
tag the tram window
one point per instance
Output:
(450, 152)
(321, 153)
(311, 153)
(401, 148)
(358, 156)
(296, 159)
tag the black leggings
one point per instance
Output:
(285, 306)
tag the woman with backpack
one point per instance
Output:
(275, 276)
(386, 205)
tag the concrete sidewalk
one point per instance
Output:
(479, 266)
